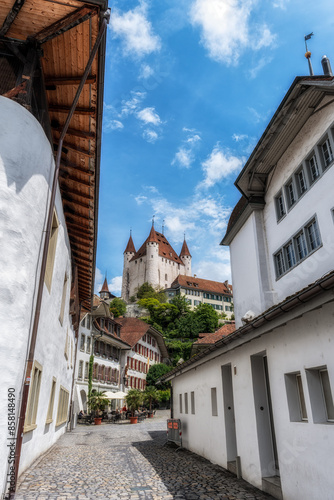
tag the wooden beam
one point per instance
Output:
(18, 4)
(79, 234)
(65, 109)
(77, 193)
(20, 89)
(80, 227)
(78, 217)
(68, 80)
(83, 134)
(66, 23)
(67, 176)
(77, 168)
(69, 199)
(76, 149)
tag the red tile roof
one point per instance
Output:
(133, 329)
(185, 250)
(105, 286)
(165, 249)
(201, 284)
(130, 247)
(212, 338)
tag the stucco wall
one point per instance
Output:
(304, 448)
(26, 170)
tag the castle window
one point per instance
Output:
(166, 277)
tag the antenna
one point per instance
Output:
(308, 53)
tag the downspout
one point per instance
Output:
(30, 359)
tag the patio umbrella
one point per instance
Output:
(115, 395)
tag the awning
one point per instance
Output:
(115, 395)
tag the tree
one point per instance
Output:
(98, 402)
(155, 372)
(151, 396)
(117, 307)
(161, 315)
(146, 291)
(207, 318)
(134, 399)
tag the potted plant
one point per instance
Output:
(151, 395)
(98, 402)
(134, 399)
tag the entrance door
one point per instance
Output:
(264, 416)
(230, 434)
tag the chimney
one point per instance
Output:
(326, 66)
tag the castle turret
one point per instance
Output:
(186, 258)
(104, 292)
(129, 252)
(152, 258)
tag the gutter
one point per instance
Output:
(30, 358)
(323, 284)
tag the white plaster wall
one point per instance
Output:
(245, 271)
(317, 200)
(304, 448)
(26, 169)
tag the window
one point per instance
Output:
(291, 196)
(80, 369)
(313, 168)
(321, 397)
(186, 403)
(214, 408)
(88, 322)
(83, 322)
(301, 182)
(88, 344)
(295, 397)
(82, 342)
(51, 401)
(86, 370)
(63, 299)
(62, 406)
(180, 400)
(51, 251)
(313, 235)
(32, 405)
(166, 277)
(327, 154)
(192, 402)
(300, 246)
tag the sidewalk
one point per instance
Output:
(128, 462)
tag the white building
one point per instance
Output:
(200, 291)
(40, 64)
(156, 263)
(100, 334)
(147, 348)
(260, 401)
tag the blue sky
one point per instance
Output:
(190, 86)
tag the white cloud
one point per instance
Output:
(145, 72)
(149, 115)
(226, 29)
(99, 278)
(135, 31)
(140, 199)
(185, 155)
(115, 285)
(256, 116)
(239, 137)
(113, 125)
(130, 106)
(264, 61)
(280, 4)
(219, 165)
(150, 135)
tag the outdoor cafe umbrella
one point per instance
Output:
(115, 395)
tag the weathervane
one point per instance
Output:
(153, 220)
(163, 226)
(308, 53)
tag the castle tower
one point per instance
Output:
(129, 252)
(104, 292)
(152, 258)
(186, 259)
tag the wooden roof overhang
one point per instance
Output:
(300, 102)
(66, 30)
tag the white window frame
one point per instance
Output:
(49, 416)
(33, 397)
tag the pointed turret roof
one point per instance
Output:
(105, 286)
(130, 246)
(185, 249)
(165, 248)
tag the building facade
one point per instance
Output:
(260, 401)
(147, 348)
(47, 263)
(156, 262)
(199, 291)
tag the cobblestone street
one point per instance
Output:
(128, 462)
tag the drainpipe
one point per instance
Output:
(30, 359)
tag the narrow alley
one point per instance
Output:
(128, 462)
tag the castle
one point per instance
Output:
(156, 262)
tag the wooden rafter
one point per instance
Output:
(75, 192)
(66, 23)
(76, 149)
(79, 226)
(68, 80)
(78, 203)
(77, 168)
(71, 177)
(57, 108)
(18, 4)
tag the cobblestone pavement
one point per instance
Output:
(128, 462)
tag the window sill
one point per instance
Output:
(29, 428)
(48, 421)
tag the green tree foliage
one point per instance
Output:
(179, 349)
(155, 372)
(117, 307)
(161, 315)
(207, 318)
(146, 291)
